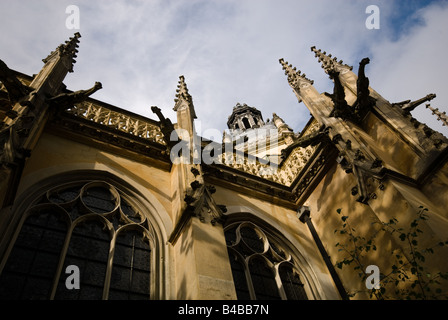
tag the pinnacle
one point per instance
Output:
(182, 91)
(182, 94)
(69, 49)
(70, 46)
(295, 77)
(441, 116)
(329, 63)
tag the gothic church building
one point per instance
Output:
(91, 190)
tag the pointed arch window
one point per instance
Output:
(262, 268)
(246, 123)
(92, 225)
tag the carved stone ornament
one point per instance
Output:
(364, 102)
(166, 126)
(65, 100)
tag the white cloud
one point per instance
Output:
(415, 65)
(227, 50)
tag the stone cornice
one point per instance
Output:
(112, 129)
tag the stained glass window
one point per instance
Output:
(261, 267)
(91, 225)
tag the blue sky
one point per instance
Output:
(228, 50)
(405, 15)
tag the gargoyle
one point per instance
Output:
(64, 100)
(16, 90)
(338, 96)
(364, 101)
(409, 105)
(166, 126)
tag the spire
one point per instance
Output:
(329, 63)
(296, 79)
(183, 95)
(441, 116)
(68, 49)
(305, 92)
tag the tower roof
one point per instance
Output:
(239, 110)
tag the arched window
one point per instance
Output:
(246, 123)
(261, 267)
(92, 225)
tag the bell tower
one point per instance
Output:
(245, 117)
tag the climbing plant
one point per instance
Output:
(407, 277)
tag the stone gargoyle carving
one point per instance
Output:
(364, 102)
(408, 105)
(65, 100)
(166, 126)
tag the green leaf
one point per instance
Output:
(338, 211)
(403, 236)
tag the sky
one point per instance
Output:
(229, 51)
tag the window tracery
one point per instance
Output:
(90, 224)
(262, 268)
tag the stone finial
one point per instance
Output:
(182, 91)
(295, 77)
(69, 49)
(182, 94)
(329, 63)
(441, 116)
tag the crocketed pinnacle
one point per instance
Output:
(182, 91)
(329, 63)
(68, 49)
(183, 95)
(295, 77)
(441, 116)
